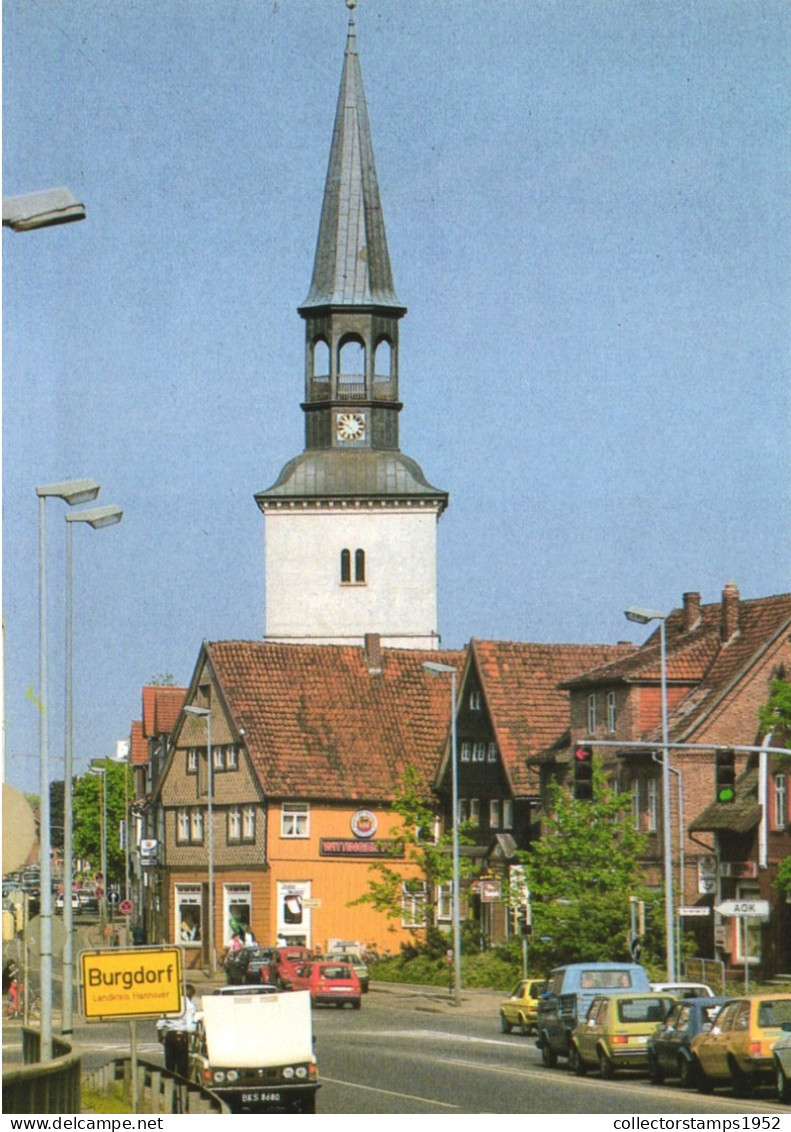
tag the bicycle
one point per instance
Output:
(17, 1009)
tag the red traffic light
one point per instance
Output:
(584, 754)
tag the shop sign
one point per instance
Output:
(350, 847)
(364, 823)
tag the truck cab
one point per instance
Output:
(570, 992)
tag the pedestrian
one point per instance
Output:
(175, 1033)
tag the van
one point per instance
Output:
(570, 991)
(254, 1049)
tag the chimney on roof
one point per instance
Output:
(729, 621)
(691, 611)
(373, 653)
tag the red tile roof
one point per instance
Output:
(318, 724)
(700, 657)
(162, 704)
(528, 708)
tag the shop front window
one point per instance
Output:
(189, 913)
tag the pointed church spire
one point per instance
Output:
(352, 264)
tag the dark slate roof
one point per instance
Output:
(352, 264)
(318, 724)
(699, 657)
(522, 686)
(335, 474)
(739, 816)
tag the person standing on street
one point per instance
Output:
(175, 1034)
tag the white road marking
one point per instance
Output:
(387, 1092)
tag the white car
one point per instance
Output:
(781, 1059)
(684, 990)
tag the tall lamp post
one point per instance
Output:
(192, 709)
(437, 669)
(644, 617)
(71, 492)
(95, 517)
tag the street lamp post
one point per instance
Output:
(71, 492)
(95, 517)
(644, 617)
(437, 669)
(192, 709)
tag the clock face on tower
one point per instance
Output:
(350, 426)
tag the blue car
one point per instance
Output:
(668, 1049)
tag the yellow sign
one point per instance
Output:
(133, 983)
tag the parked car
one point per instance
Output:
(570, 991)
(781, 1058)
(330, 983)
(520, 1009)
(615, 1032)
(360, 967)
(284, 963)
(737, 1050)
(60, 902)
(247, 964)
(669, 1053)
(684, 990)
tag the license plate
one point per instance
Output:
(260, 1098)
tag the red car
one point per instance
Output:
(283, 965)
(329, 982)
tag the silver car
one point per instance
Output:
(781, 1059)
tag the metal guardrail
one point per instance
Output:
(158, 1090)
(38, 1087)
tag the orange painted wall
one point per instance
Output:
(334, 881)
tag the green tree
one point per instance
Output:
(88, 810)
(582, 872)
(775, 715)
(429, 861)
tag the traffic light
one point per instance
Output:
(524, 919)
(725, 776)
(583, 774)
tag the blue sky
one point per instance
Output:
(587, 206)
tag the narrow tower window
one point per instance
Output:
(383, 361)
(351, 382)
(321, 361)
(359, 567)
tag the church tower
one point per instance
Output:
(351, 522)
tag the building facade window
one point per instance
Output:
(413, 904)
(241, 824)
(479, 753)
(475, 811)
(508, 813)
(592, 714)
(189, 826)
(466, 751)
(612, 712)
(188, 903)
(192, 760)
(444, 901)
(780, 798)
(248, 823)
(475, 700)
(492, 755)
(464, 811)
(295, 819)
(652, 804)
(494, 813)
(636, 803)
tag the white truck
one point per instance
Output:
(255, 1050)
